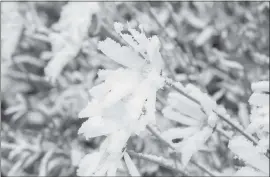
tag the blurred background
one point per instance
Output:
(49, 61)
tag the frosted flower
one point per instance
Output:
(257, 162)
(72, 30)
(11, 28)
(254, 156)
(107, 159)
(125, 102)
(199, 119)
(259, 101)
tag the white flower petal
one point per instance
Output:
(92, 109)
(153, 53)
(179, 132)
(112, 170)
(176, 116)
(122, 55)
(193, 144)
(131, 166)
(89, 164)
(97, 126)
(248, 171)
(262, 86)
(246, 151)
(259, 99)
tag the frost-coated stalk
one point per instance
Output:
(158, 160)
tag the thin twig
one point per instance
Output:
(161, 161)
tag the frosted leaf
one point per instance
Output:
(248, 171)
(176, 116)
(179, 132)
(131, 166)
(97, 126)
(262, 86)
(88, 164)
(246, 151)
(122, 55)
(259, 99)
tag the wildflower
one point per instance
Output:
(199, 119)
(11, 28)
(72, 30)
(257, 162)
(255, 156)
(125, 102)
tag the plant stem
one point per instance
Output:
(158, 160)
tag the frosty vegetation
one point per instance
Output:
(90, 92)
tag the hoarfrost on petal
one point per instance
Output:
(89, 164)
(131, 166)
(249, 153)
(259, 99)
(248, 171)
(122, 55)
(262, 86)
(97, 126)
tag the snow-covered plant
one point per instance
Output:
(11, 28)
(124, 103)
(71, 31)
(198, 120)
(256, 157)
